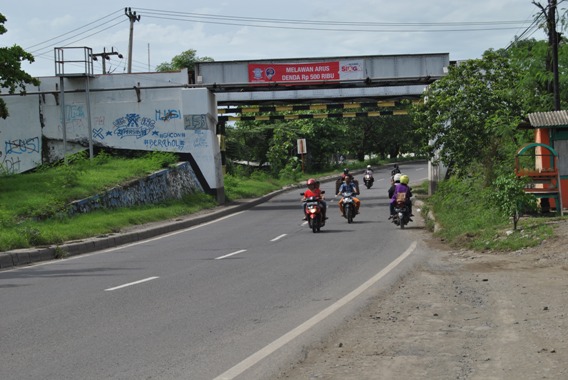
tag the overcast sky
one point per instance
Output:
(253, 29)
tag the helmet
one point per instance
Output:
(368, 166)
(404, 179)
(346, 171)
(311, 181)
(397, 177)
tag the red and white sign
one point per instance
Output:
(298, 73)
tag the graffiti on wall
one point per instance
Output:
(10, 165)
(166, 140)
(195, 122)
(200, 139)
(75, 116)
(13, 149)
(133, 125)
(22, 146)
(168, 114)
(138, 127)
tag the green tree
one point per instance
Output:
(12, 77)
(325, 138)
(471, 116)
(385, 136)
(282, 152)
(187, 59)
(511, 199)
(250, 140)
(529, 57)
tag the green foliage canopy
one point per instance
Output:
(471, 116)
(187, 59)
(12, 77)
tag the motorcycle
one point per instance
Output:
(368, 180)
(349, 208)
(312, 207)
(401, 215)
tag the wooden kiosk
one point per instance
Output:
(545, 180)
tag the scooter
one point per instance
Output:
(312, 207)
(401, 215)
(349, 209)
(368, 180)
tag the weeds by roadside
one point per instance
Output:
(31, 204)
(470, 219)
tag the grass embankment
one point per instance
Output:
(32, 205)
(469, 219)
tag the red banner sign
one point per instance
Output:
(304, 72)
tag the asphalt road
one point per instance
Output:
(237, 297)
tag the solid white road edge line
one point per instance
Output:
(278, 237)
(119, 247)
(131, 283)
(289, 336)
(230, 254)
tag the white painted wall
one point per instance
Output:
(161, 116)
(20, 135)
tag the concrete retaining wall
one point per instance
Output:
(160, 186)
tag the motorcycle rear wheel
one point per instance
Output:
(349, 213)
(316, 224)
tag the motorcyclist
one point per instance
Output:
(402, 188)
(396, 170)
(341, 179)
(369, 171)
(395, 179)
(314, 191)
(349, 186)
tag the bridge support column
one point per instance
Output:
(199, 109)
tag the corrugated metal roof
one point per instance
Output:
(548, 119)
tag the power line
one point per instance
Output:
(316, 22)
(71, 31)
(49, 50)
(44, 49)
(264, 24)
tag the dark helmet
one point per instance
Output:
(395, 170)
(345, 171)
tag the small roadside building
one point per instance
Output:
(551, 146)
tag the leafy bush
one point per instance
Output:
(510, 198)
(291, 172)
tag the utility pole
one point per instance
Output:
(554, 38)
(133, 18)
(552, 58)
(105, 57)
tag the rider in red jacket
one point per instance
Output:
(314, 191)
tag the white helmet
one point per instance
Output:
(368, 166)
(397, 177)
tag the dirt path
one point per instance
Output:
(462, 315)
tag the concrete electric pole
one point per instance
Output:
(133, 18)
(105, 56)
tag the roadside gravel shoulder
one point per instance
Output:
(461, 315)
